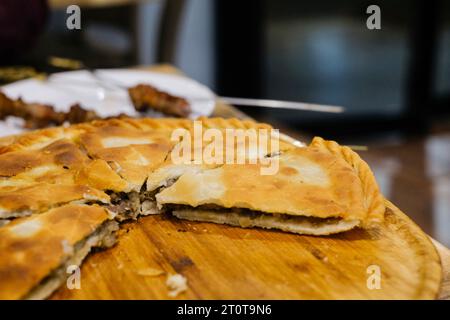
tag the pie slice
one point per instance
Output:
(318, 190)
(38, 177)
(37, 250)
(39, 197)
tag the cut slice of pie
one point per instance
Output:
(36, 251)
(40, 197)
(38, 177)
(319, 190)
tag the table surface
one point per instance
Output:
(224, 262)
(224, 110)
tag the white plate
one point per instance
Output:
(107, 96)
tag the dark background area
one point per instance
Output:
(321, 51)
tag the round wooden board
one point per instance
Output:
(222, 262)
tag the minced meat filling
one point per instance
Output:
(252, 213)
(126, 205)
(132, 204)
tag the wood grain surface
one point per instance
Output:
(222, 262)
(232, 263)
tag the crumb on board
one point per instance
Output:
(150, 272)
(67, 248)
(176, 284)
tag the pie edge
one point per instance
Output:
(374, 201)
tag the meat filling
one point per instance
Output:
(249, 218)
(131, 205)
(251, 214)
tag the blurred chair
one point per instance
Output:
(421, 100)
(171, 17)
(169, 25)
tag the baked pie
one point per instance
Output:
(78, 181)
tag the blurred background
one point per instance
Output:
(393, 82)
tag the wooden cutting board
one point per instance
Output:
(222, 262)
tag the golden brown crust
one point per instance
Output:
(33, 247)
(39, 197)
(33, 139)
(41, 137)
(374, 201)
(61, 154)
(6, 141)
(94, 174)
(33, 180)
(131, 152)
(232, 123)
(142, 145)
